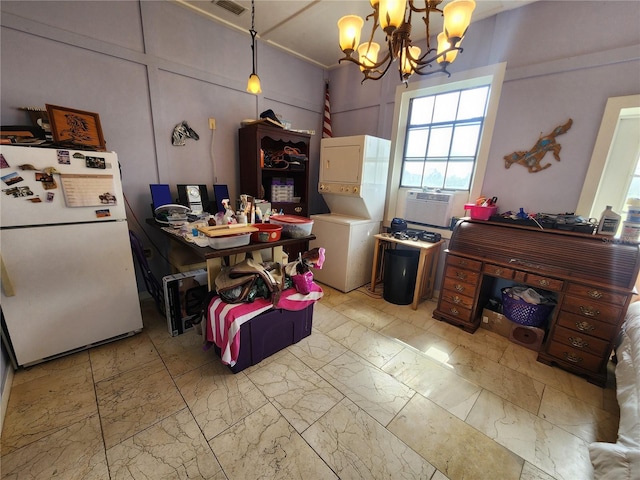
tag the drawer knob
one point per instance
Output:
(570, 357)
(578, 342)
(454, 311)
(499, 271)
(463, 263)
(298, 209)
(594, 294)
(585, 326)
(457, 300)
(461, 275)
(543, 282)
(459, 288)
(589, 311)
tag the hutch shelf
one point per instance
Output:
(266, 155)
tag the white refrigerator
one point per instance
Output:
(68, 279)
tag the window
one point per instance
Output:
(442, 137)
(634, 186)
(476, 81)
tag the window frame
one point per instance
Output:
(492, 75)
(606, 171)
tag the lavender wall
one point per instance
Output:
(564, 59)
(145, 67)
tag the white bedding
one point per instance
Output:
(621, 461)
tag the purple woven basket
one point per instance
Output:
(524, 313)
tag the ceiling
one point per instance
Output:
(308, 29)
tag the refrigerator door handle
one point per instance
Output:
(7, 286)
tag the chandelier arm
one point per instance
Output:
(442, 69)
(421, 59)
(429, 6)
(441, 54)
(376, 23)
(367, 74)
(374, 67)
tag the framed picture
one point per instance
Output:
(76, 128)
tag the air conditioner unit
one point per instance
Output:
(431, 208)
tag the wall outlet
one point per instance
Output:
(212, 124)
(485, 319)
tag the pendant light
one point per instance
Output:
(253, 85)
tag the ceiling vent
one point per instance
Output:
(232, 7)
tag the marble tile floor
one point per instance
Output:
(378, 391)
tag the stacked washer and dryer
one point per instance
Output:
(353, 183)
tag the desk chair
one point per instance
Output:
(151, 283)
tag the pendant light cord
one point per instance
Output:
(253, 36)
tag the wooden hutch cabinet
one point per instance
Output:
(592, 278)
(265, 153)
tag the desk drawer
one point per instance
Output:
(462, 275)
(580, 341)
(459, 287)
(462, 262)
(575, 356)
(498, 271)
(591, 309)
(592, 327)
(544, 282)
(597, 294)
(457, 311)
(456, 298)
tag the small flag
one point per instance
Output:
(326, 125)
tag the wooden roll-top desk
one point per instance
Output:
(592, 278)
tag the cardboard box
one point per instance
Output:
(496, 322)
(182, 297)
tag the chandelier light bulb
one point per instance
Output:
(457, 17)
(368, 55)
(406, 62)
(350, 27)
(391, 14)
(444, 45)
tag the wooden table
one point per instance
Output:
(427, 263)
(217, 258)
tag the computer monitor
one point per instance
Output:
(160, 195)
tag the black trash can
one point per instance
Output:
(400, 270)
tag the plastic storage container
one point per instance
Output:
(230, 241)
(524, 313)
(292, 225)
(267, 232)
(477, 212)
(630, 232)
(400, 271)
(633, 211)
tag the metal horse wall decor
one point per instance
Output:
(181, 132)
(533, 157)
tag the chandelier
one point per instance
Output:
(253, 85)
(394, 18)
